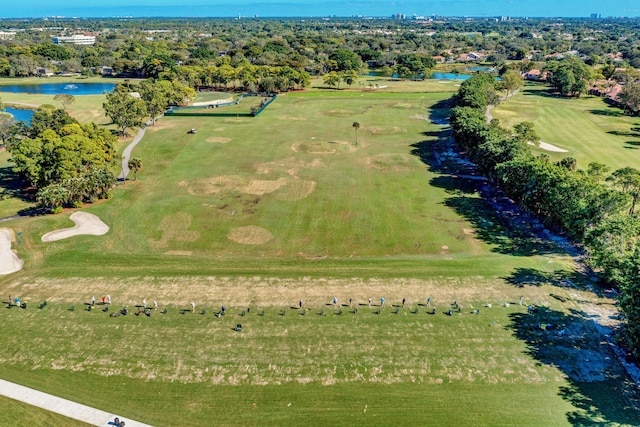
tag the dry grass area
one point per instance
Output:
(290, 165)
(260, 187)
(384, 130)
(250, 235)
(391, 162)
(296, 189)
(175, 227)
(286, 188)
(273, 292)
(217, 184)
(218, 139)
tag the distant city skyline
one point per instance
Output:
(294, 8)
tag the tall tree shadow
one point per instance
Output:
(495, 218)
(522, 277)
(598, 386)
(10, 184)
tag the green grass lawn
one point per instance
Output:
(589, 128)
(258, 213)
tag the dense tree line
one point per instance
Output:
(65, 162)
(595, 208)
(146, 47)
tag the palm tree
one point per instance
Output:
(356, 126)
(135, 165)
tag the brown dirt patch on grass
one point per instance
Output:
(391, 162)
(217, 184)
(293, 119)
(314, 147)
(339, 113)
(259, 187)
(175, 227)
(296, 189)
(384, 130)
(180, 253)
(290, 165)
(250, 235)
(218, 139)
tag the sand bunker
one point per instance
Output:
(218, 139)
(549, 147)
(86, 223)
(9, 261)
(250, 235)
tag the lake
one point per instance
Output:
(434, 76)
(74, 89)
(20, 115)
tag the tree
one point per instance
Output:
(630, 98)
(350, 77)
(569, 76)
(512, 81)
(154, 97)
(7, 121)
(124, 110)
(356, 126)
(628, 179)
(346, 60)
(135, 165)
(525, 132)
(64, 99)
(331, 79)
(597, 170)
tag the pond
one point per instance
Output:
(20, 115)
(74, 89)
(434, 76)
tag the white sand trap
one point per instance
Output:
(86, 223)
(9, 261)
(549, 147)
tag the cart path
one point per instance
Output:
(65, 407)
(126, 154)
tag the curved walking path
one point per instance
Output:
(61, 406)
(126, 154)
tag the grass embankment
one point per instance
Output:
(262, 212)
(589, 128)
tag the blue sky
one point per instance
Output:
(223, 8)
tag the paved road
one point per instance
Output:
(65, 407)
